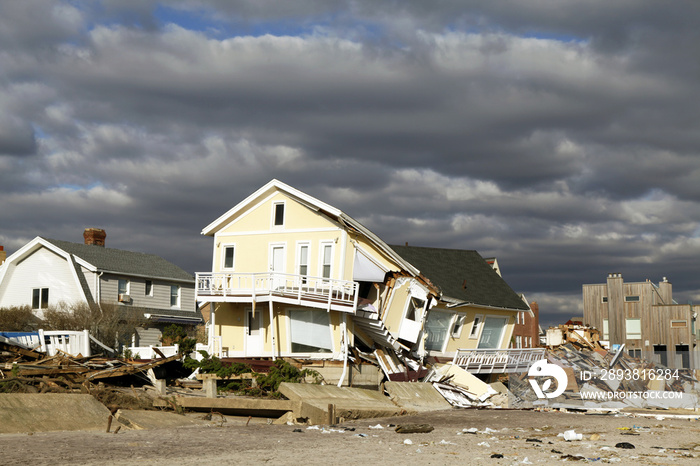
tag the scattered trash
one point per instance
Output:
(496, 455)
(571, 435)
(378, 426)
(625, 445)
(484, 444)
(471, 430)
(408, 442)
(445, 442)
(297, 430)
(526, 461)
(572, 457)
(360, 435)
(595, 437)
(535, 440)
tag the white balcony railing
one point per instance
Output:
(489, 361)
(300, 289)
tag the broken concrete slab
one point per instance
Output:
(51, 412)
(139, 419)
(345, 402)
(416, 396)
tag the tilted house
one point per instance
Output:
(476, 308)
(295, 277)
(46, 272)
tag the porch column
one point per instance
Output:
(273, 329)
(212, 330)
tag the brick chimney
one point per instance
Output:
(95, 236)
(3, 254)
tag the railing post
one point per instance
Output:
(86, 343)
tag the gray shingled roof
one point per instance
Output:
(126, 262)
(462, 275)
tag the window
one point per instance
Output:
(123, 287)
(437, 326)
(414, 305)
(303, 255)
(326, 260)
(633, 328)
(492, 332)
(458, 325)
(631, 299)
(679, 323)
(606, 335)
(605, 299)
(635, 353)
(310, 331)
(278, 214)
(40, 298)
(228, 257)
(475, 327)
(149, 288)
(518, 341)
(174, 296)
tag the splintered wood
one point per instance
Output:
(23, 369)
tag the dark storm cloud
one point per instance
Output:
(561, 139)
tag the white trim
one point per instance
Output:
(273, 215)
(503, 329)
(331, 355)
(270, 256)
(273, 184)
(314, 204)
(456, 318)
(179, 297)
(267, 232)
(321, 249)
(297, 258)
(361, 250)
(223, 256)
(476, 326)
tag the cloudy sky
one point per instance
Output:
(561, 137)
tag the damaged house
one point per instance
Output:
(297, 278)
(47, 272)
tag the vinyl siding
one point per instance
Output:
(42, 269)
(137, 292)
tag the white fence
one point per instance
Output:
(148, 352)
(52, 342)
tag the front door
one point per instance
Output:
(254, 337)
(492, 332)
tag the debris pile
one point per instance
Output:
(26, 370)
(599, 378)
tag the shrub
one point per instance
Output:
(110, 323)
(175, 334)
(18, 319)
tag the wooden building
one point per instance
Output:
(643, 316)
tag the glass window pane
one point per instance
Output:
(174, 295)
(492, 332)
(437, 326)
(44, 298)
(279, 214)
(228, 257)
(36, 297)
(310, 331)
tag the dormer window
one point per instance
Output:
(278, 214)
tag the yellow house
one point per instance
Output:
(295, 277)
